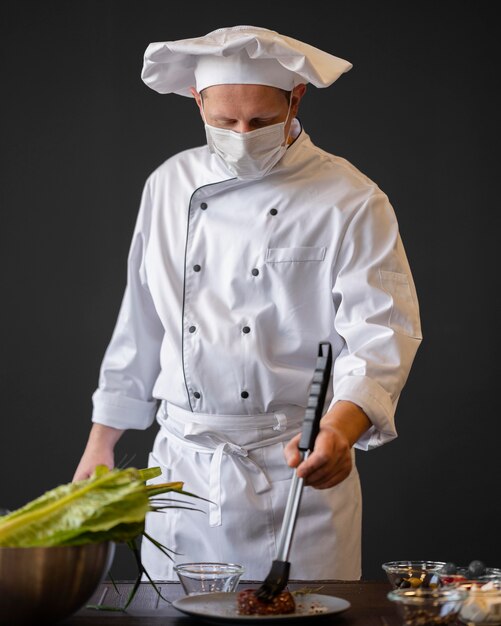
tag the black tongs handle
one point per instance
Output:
(278, 575)
(316, 400)
(311, 425)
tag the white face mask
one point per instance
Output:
(249, 155)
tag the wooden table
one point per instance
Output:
(369, 605)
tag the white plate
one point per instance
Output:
(221, 608)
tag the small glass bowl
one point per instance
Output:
(429, 607)
(208, 577)
(413, 574)
(482, 606)
(462, 575)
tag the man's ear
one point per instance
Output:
(297, 93)
(198, 99)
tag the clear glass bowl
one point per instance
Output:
(482, 606)
(429, 607)
(208, 577)
(462, 575)
(413, 574)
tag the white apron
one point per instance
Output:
(237, 463)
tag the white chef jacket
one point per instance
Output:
(231, 286)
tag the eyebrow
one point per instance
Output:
(223, 118)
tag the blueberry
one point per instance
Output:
(449, 568)
(475, 569)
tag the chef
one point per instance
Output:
(247, 252)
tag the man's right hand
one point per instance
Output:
(98, 451)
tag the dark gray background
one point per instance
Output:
(418, 114)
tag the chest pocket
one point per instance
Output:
(295, 255)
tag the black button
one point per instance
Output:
(196, 268)
(273, 211)
(203, 206)
(255, 272)
(196, 395)
(192, 329)
(244, 394)
(246, 329)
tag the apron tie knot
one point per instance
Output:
(232, 448)
(221, 445)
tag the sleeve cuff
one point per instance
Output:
(376, 404)
(111, 409)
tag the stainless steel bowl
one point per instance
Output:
(46, 585)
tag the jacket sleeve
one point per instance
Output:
(377, 315)
(131, 363)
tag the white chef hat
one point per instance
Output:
(238, 55)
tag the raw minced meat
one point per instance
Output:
(249, 604)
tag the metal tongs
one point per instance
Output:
(278, 575)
